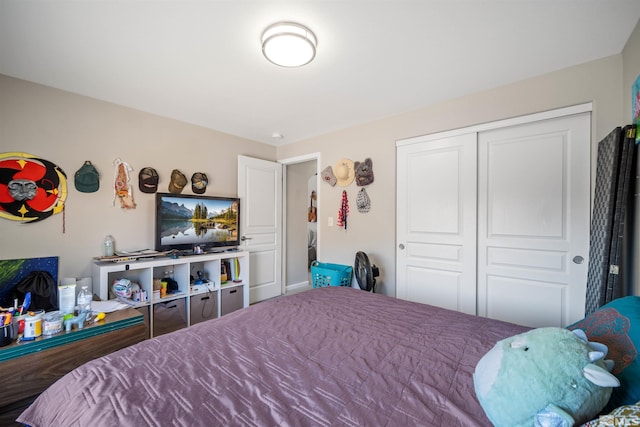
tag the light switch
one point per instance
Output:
(330, 221)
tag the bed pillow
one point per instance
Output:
(628, 415)
(617, 325)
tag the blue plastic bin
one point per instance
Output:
(325, 274)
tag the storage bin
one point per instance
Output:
(325, 274)
(203, 307)
(169, 316)
(231, 299)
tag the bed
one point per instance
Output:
(332, 356)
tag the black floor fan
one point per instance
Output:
(366, 272)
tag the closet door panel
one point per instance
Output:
(547, 298)
(533, 220)
(441, 288)
(525, 187)
(436, 222)
(435, 177)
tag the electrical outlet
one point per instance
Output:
(330, 221)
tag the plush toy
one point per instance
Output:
(544, 377)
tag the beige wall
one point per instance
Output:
(630, 69)
(297, 226)
(630, 72)
(599, 82)
(67, 129)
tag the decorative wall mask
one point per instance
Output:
(31, 189)
(22, 189)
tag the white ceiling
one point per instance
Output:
(201, 61)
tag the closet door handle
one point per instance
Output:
(243, 238)
(401, 246)
(578, 259)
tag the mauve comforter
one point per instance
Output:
(326, 357)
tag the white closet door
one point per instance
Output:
(436, 222)
(533, 221)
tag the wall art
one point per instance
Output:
(31, 188)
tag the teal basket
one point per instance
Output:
(324, 274)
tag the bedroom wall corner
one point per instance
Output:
(68, 129)
(630, 72)
(598, 82)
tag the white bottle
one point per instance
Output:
(84, 302)
(109, 246)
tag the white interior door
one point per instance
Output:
(533, 230)
(436, 222)
(260, 192)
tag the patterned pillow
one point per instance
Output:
(617, 325)
(623, 416)
(608, 326)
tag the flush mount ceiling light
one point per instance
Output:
(289, 44)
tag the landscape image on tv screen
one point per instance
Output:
(184, 221)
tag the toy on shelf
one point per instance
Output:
(76, 320)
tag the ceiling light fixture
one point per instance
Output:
(289, 44)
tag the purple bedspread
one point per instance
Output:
(326, 357)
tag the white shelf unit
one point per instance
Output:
(183, 268)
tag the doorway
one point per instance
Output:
(300, 220)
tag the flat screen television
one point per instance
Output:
(184, 222)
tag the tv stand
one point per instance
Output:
(174, 311)
(221, 250)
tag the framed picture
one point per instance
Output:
(12, 271)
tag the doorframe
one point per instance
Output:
(287, 162)
(587, 107)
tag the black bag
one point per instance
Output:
(44, 292)
(172, 285)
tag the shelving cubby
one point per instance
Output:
(173, 312)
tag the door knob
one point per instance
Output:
(401, 246)
(578, 259)
(243, 238)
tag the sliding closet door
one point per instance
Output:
(533, 221)
(436, 222)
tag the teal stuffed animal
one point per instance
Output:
(547, 377)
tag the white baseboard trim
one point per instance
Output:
(298, 286)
